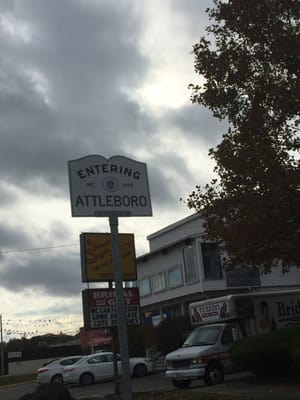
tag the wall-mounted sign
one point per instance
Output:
(97, 260)
(102, 187)
(100, 308)
(243, 277)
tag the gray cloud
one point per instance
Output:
(68, 69)
(86, 56)
(50, 274)
(198, 124)
(12, 238)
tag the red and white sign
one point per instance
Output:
(100, 307)
(210, 311)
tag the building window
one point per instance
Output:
(144, 287)
(211, 260)
(175, 276)
(190, 264)
(158, 282)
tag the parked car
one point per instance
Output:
(99, 367)
(52, 370)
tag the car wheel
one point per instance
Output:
(57, 379)
(139, 370)
(86, 379)
(181, 384)
(213, 375)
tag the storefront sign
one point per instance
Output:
(100, 308)
(243, 277)
(210, 311)
(97, 260)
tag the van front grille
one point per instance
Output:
(178, 364)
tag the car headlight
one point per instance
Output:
(197, 361)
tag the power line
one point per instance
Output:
(70, 245)
(38, 248)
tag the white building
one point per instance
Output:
(181, 268)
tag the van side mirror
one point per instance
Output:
(235, 334)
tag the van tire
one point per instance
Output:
(181, 384)
(214, 374)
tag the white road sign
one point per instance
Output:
(101, 187)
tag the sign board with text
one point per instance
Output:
(102, 187)
(97, 260)
(100, 308)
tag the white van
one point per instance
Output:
(220, 322)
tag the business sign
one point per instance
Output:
(210, 311)
(273, 313)
(100, 308)
(97, 260)
(93, 338)
(243, 277)
(101, 187)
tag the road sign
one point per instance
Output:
(114, 187)
(101, 187)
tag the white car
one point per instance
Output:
(99, 367)
(52, 371)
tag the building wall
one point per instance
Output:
(192, 225)
(277, 278)
(166, 250)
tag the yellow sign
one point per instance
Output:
(97, 260)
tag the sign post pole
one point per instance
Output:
(123, 337)
(114, 187)
(2, 346)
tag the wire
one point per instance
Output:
(38, 248)
(76, 244)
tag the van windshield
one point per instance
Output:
(203, 336)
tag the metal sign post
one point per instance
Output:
(123, 337)
(2, 346)
(114, 187)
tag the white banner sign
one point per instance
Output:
(106, 317)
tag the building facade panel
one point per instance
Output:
(277, 278)
(178, 231)
(181, 268)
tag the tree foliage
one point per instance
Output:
(250, 61)
(39, 341)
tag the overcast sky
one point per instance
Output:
(81, 77)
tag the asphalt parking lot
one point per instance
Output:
(240, 385)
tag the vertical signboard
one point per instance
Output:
(100, 307)
(97, 259)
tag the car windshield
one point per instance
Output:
(203, 336)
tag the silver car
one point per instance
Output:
(52, 371)
(99, 367)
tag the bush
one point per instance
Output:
(297, 359)
(275, 354)
(139, 338)
(171, 333)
